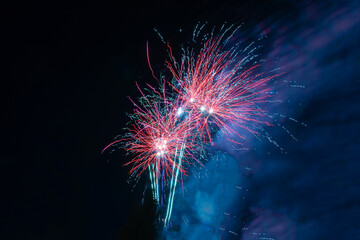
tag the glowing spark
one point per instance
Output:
(179, 111)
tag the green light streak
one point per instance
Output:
(153, 181)
(173, 184)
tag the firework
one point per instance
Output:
(216, 89)
(155, 134)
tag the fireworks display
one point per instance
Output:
(199, 120)
(216, 88)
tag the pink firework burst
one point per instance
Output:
(215, 87)
(156, 135)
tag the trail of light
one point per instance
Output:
(172, 191)
(171, 188)
(148, 60)
(153, 181)
(157, 185)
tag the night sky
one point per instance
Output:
(69, 67)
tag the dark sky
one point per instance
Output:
(69, 67)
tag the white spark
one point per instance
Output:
(179, 111)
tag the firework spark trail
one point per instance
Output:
(173, 187)
(153, 183)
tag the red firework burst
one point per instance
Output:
(214, 88)
(156, 135)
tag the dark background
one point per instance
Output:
(68, 68)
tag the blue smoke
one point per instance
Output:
(208, 193)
